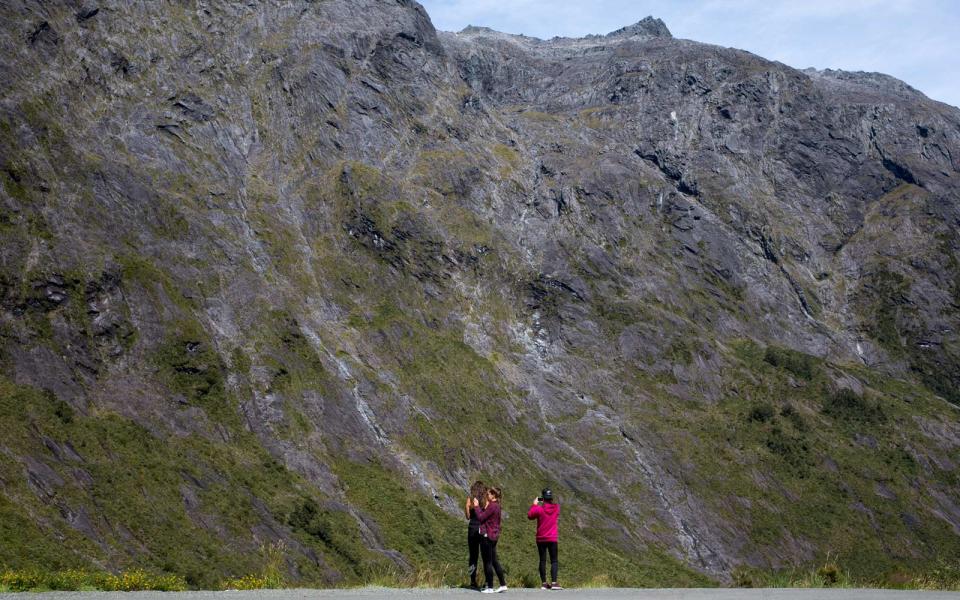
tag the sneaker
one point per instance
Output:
(544, 586)
(556, 586)
(501, 589)
(488, 591)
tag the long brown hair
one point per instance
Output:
(497, 493)
(478, 490)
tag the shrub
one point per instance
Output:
(247, 582)
(71, 580)
(761, 413)
(847, 405)
(139, 580)
(794, 417)
(829, 573)
(794, 450)
(21, 581)
(527, 580)
(272, 575)
(742, 578)
(799, 364)
(75, 579)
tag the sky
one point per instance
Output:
(917, 41)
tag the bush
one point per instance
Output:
(761, 413)
(794, 417)
(139, 580)
(742, 578)
(799, 364)
(847, 405)
(21, 581)
(75, 580)
(71, 580)
(247, 582)
(829, 573)
(793, 450)
(272, 575)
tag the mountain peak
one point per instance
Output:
(648, 27)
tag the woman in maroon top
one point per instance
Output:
(489, 517)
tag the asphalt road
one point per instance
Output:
(437, 594)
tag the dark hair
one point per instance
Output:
(497, 493)
(478, 489)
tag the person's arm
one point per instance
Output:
(485, 513)
(466, 508)
(535, 511)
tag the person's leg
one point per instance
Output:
(554, 563)
(473, 544)
(486, 553)
(496, 565)
(542, 551)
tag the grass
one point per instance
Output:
(943, 576)
(785, 430)
(80, 580)
(130, 482)
(271, 577)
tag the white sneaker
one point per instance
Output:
(501, 589)
(488, 591)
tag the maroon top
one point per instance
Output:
(490, 520)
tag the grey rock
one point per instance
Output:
(333, 203)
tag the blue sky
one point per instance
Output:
(917, 41)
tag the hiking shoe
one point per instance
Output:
(556, 586)
(488, 591)
(501, 589)
(544, 586)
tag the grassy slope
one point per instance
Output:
(775, 419)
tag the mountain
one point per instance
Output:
(288, 276)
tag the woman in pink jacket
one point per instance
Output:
(547, 513)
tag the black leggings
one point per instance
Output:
(473, 544)
(542, 548)
(488, 550)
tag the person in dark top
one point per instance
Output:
(546, 512)
(489, 517)
(477, 490)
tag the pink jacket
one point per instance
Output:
(546, 515)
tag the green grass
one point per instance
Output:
(771, 437)
(942, 575)
(129, 482)
(79, 580)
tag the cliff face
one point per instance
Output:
(301, 271)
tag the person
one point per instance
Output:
(489, 517)
(477, 490)
(547, 512)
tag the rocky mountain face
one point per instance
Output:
(290, 275)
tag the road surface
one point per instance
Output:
(438, 594)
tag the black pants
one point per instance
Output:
(473, 545)
(542, 548)
(488, 550)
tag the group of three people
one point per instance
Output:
(482, 510)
